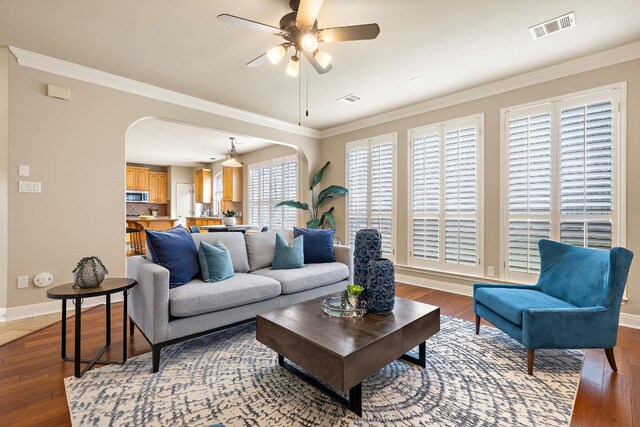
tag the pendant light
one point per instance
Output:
(232, 157)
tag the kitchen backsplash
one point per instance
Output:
(145, 208)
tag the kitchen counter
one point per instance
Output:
(155, 218)
(205, 217)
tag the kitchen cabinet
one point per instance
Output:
(203, 186)
(203, 221)
(137, 178)
(157, 187)
(231, 184)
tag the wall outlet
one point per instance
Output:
(491, 271)
(42, 280)
(23, 282)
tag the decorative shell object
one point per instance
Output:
(89, 273)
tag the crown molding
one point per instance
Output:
(613, 56)
(90, 75)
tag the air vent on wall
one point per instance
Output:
(557, 24)
(349, 99)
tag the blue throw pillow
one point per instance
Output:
(318, 244)
(288, 255)
(215, 262)
(175, 250)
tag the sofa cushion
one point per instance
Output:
(511, 303)
(233, 241)
(174, 250)
(318, 244)
(309, 277)
(260, 249)
(288, 255)
(198, 297)
(215, 262)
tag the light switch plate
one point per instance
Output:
(29, 187)
(23, 282)
(23, 170)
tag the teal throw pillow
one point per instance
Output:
(288, 255)
(215, 262)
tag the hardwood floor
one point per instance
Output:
(32, 389)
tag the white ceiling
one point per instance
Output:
(164, 143)
(450, 45)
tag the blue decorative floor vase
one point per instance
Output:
(368, 246)
(381, 285)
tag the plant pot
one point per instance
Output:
(229, 221)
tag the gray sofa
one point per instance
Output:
(168, 316)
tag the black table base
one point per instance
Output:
(354, 401)
(77, 359)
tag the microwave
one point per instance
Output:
(137, 196)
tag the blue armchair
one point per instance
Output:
(575, 304)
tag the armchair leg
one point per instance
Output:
(611, 358)
(477, 324)
(131, 327)
(530, 357)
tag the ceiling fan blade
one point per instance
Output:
(260, 60)
(314, 62)
(254, 25)
(308, 11)
(354, 32)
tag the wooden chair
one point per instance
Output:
(135, 232)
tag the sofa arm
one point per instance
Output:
(344, 254)
(579, 327)
(149, 299)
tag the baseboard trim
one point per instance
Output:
(32, 310)
(626, 319)
(453, 288)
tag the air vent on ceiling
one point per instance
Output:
(349, 99)
(557, 24)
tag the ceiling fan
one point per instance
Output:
(300, 31)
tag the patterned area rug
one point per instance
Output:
(232, 379)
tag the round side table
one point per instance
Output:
(106, 288)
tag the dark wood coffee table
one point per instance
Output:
(342, 352)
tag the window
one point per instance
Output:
(445, 224)
(370, 180)
(561, 177)
(270, 183)
(217, 193)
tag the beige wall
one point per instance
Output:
(4, 164)
(333, 149)
(77, 150)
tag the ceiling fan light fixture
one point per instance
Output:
(309, 42)
(276, 53)
(323, 58)
(294, 66)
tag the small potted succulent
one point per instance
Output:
(229, 218)
(351, 296)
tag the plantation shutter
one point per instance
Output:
(382, 193)
(445, 196)
(370, 170)
(270, 183)
(358, 185)
(460, 196)
(562, 183)
(254, 195)
(426, 195)
(529, 177)
(289, 192)
(586, 169)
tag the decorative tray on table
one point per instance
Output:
(341, 307)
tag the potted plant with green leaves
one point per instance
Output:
(229, 218)
(329, 194)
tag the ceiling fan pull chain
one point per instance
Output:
(299, 96)
(307, 97)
